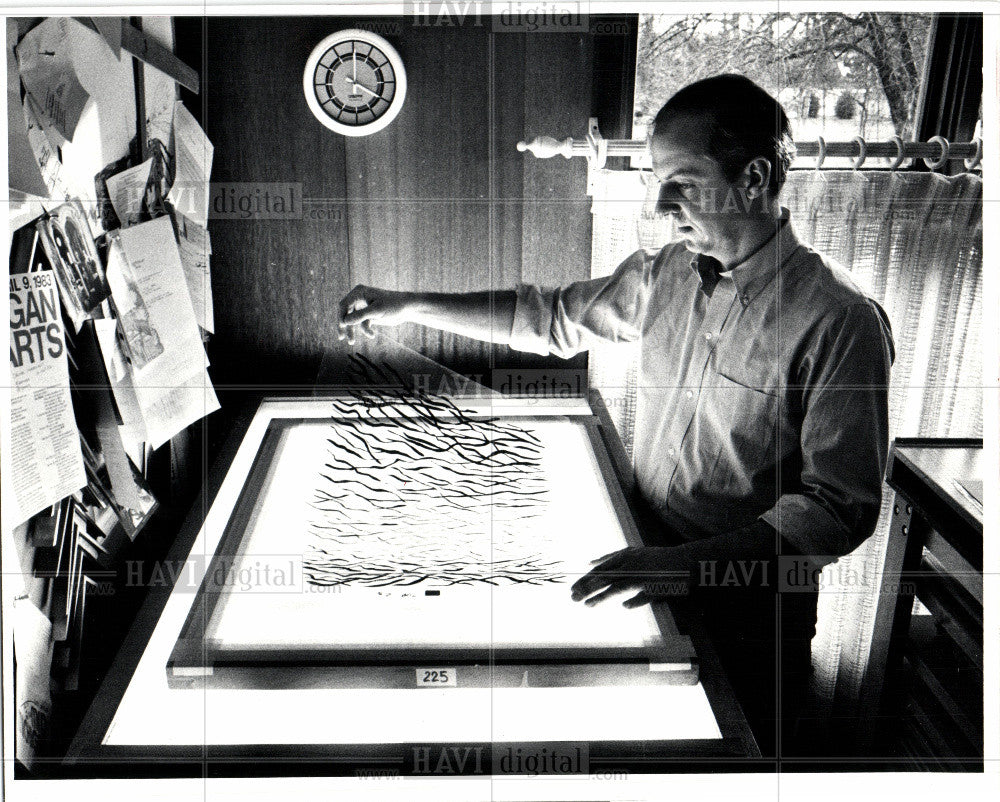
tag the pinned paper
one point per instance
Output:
(192, 167)
(120, 378)
(127, 191)
(46, 65)
(161, 98)
(46, 155)
(109, 82)
(33, 698)
(110, 29)
(22, 167)
(123, 486)
(195, 248)
(154, 308)
(178, 407)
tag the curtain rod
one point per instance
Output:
(935, 153)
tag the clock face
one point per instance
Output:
(354, 82)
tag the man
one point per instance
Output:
(762, 415)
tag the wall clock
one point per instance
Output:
(354, 82)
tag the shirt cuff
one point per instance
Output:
(532, 319)
(807, 528)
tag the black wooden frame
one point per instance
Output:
(197, 660)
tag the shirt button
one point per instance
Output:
(746, 298)
(708, 335)
(690, 393)
(672, 451)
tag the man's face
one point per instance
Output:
(709, 211)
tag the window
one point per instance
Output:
(837, 75)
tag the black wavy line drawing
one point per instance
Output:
(415, 490)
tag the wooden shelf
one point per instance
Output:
(925, 678)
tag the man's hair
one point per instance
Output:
(744, 123)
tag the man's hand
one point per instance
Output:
(487, 316)
(367, 307)
(655, 571)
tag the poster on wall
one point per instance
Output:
(46, 464)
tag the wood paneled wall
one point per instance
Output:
(440, 200)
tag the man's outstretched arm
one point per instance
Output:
(561, 321)
(486, 316)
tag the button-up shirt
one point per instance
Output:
(762, 390)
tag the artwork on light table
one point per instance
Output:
(406, 530)
(415, 491)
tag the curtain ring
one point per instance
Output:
(940, 162)
(862, 152)
(821, 153)
(973, 163)
(900, 152)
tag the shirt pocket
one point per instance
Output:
(743, 421)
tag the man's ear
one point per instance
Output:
(756, 177)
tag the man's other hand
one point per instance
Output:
(654, 571)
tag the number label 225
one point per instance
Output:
(437, 677)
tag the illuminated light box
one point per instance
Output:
(389, 540)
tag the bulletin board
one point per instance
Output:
(388, 539)
(108, 176)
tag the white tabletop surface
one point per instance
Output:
(152, 713)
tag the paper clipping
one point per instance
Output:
(127, 191)
(160, 330)
(22, 165)
(195, 247)
(192, 167)
(45, 60)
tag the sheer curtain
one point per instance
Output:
(914, 242)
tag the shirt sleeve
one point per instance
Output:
(565, 320)
(844, 436)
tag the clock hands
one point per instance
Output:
(363, 88)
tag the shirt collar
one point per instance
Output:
(752, 274)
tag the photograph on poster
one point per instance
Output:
(70, 249)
